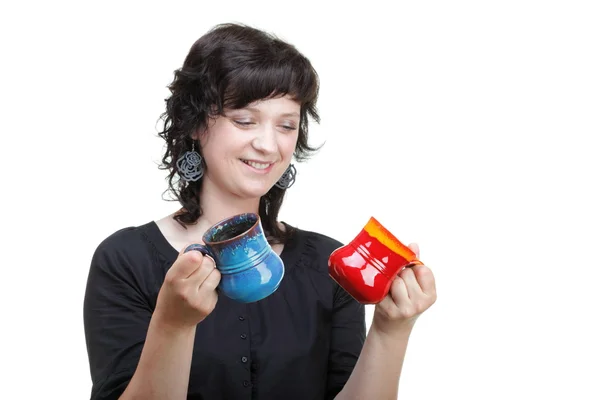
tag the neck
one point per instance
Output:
(217, 205)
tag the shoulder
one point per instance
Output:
(122, 240)
(124, 271)
(128, 246)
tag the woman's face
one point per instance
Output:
(247, 150)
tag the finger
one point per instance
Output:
(412, 285)
(425, 278)
(209, 285)
(388, 304)
(399, 292)
(415, 248)
(186, 264)
(196, 247)
(206, 297)
(199, 275)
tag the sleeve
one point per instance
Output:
(348, 333)
(116, 318)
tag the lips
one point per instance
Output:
(257, 164)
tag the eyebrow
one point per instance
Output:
(290, 114)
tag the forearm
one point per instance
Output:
(164, 368)
(377, 371)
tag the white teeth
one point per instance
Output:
(257, 165)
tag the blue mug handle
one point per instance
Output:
(202, 249)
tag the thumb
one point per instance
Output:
(415, 248)
(186, 263)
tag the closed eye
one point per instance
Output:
(243, 123)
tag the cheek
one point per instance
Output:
(220, 143)
(287, 146)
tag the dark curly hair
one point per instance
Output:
(230, 67)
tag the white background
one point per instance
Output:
(470, 127)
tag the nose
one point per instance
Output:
(265, 140)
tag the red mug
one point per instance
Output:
(367, 266)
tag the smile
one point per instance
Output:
(257, 165)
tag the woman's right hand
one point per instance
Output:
(188, 294)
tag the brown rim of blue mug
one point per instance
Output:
(202, 248)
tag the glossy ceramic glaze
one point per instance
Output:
(367, 266)
(250, 269)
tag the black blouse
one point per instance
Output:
(302, 342)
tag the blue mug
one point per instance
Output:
(250, 269)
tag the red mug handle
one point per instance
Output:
(414, 262)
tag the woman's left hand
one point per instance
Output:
(411, 293)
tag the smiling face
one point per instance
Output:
(247, 150)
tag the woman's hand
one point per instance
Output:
(188, 294)
(411, 293)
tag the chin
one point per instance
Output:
(254, 192)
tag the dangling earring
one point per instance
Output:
(288, 178)
(190, 166)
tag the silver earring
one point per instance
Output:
(190, 166)
(288, 178)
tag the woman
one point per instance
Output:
(155, 326)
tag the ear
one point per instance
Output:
(198, 133)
